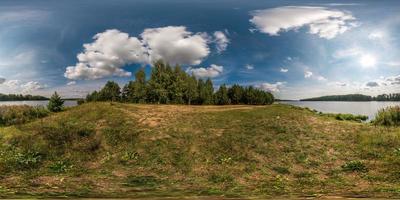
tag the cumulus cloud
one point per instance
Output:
(325, 22)
(271, 87)
(249, 67)
(209, 72)
(24, 87)
(113, 49)
(175, 45)
(221, 41)
(284, 70)
(2, 80)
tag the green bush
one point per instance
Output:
(354, 166)
(350, 117)
(389, 116)
(12, 115)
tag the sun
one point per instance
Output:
(367, 60)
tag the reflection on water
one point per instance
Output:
(35, 103)
(369, 108)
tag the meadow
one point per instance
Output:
(133, 150)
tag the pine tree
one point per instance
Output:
(56, 104)
(221, 96)
(235, 94)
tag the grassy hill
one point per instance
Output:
(114, 150)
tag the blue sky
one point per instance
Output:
(295, 49)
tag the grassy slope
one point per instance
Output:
(103, 149)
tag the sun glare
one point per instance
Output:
(367, 60)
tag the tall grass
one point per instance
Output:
(389, 116)
(12, 115)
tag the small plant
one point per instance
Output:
(56, 104)
(389, 116)
(129, 156)
(60, 166)
(354, 166)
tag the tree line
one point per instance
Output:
(20, 97)
(172, 85)
(357, 97)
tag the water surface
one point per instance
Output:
(369, 108)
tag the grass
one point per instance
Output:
(129, 150)
(388, 116)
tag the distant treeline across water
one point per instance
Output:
(356, 97)
(20, 97)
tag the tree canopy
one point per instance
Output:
(172, 85)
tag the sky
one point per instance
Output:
(294, 49)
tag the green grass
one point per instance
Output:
(129, 150)
(388, 116)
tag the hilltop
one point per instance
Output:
(133, 150)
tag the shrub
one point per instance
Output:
(389, 116)
(354, 166)
(12, 115)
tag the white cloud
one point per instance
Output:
(221, 41)
(376, 35)
(31, 86)
(2, 80)
(340, 84)
(271, 87)
(113, 49)
(392, 63)
(110, 51)
(345, 53)
(249, 67)
(284, 70)
(324, 22)
(71, 83)
(308, 74)
(175, 45)
(17, 86)
(209, 72)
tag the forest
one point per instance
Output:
(172, 85)
(20, 97)
(356, 97)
